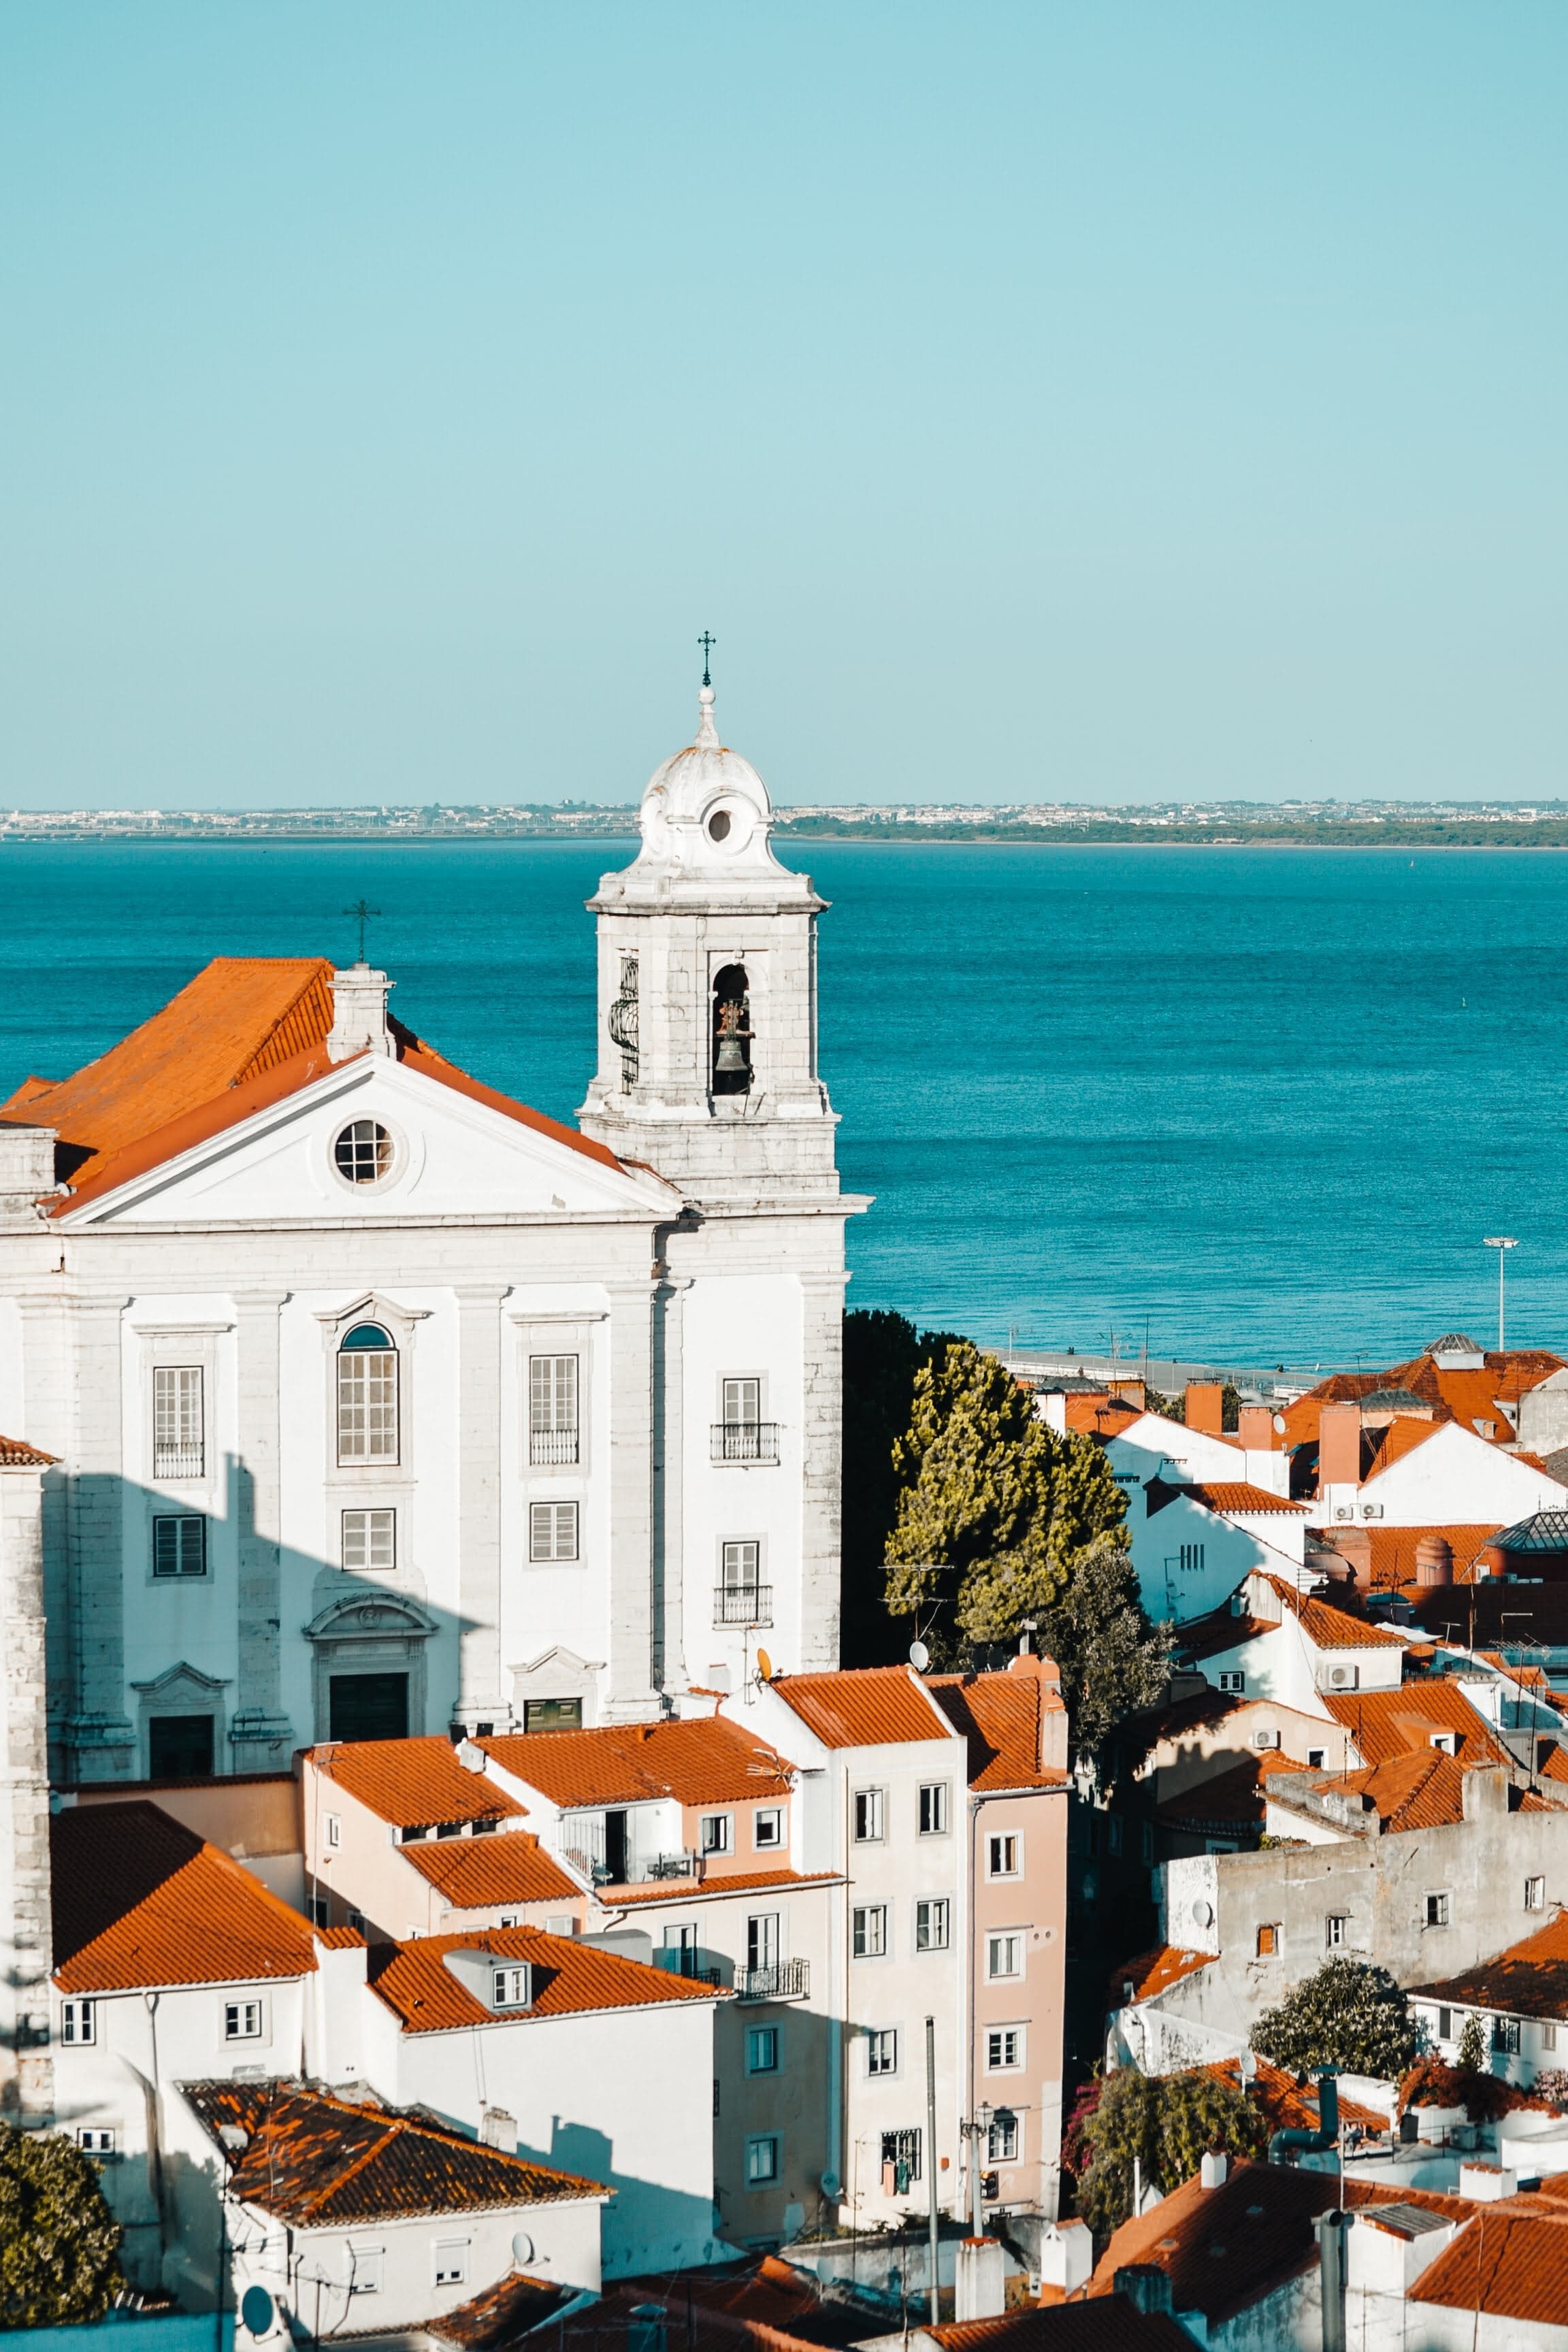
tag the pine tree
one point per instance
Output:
(1473, 2058)
(1350, 2015)
(59, 2248)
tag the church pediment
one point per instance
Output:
(368, 1614)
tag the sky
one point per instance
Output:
(1092, 404)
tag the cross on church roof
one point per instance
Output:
(707, 641)
(361, 914)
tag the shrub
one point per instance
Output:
(1350, 2015)
(1168, 2122)
(60, 2247)
(1551, 2085)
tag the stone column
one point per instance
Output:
(669, 1484)
(100, 1740)
(478, 1504)
(261, 1734)
(27, 2072)
(822, 1457)
(631, 1695)
(47, 1415)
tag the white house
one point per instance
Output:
(384, 1402)
(1203, 1512)
(1425, 1473)
(1290, 1647)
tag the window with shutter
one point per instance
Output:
(551, 1531)
(180, 1545)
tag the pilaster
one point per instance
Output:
(669, 1488)
(261, 1734)
(27, 2068)
(47, 1415)
(822, 1467)
(99, 1737)
(479, 1505)
(631, 1690)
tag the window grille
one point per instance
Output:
(902, 2155)
(179, 1448)
(367, 1396)
(363, 1152)
(180, 1545)
(553, 1436)
(551, 1531)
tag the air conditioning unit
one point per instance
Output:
(1372, 1511)
(1345, 1511)
(1343, 1677)
(1265, 1740)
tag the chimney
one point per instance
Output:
(359, 1013)
(1484, 1793)
(1339, 1446)
(1434, 1560)
(1255, 1429)
(1215, 2169)
(1205, 1407)
(26, 1174)
(1146, 2287)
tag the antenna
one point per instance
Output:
(919, 1656)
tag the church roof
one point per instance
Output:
(246, 1031)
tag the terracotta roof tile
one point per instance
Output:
(1382, 1448)
(864, 1706)
(697, 1890)
(1226, 2247)
(1530, 1978)
(1210, 1637)
(767, 2295)
(1327, 1628)
(570, 1978)
(413, 1783)
(1109, 2324)
(475, 1874)
(16, 1454)
(314, 2161)
(703, 1760)
(1384, 1724)
(139, 1900)
(1393, 1552)
(1285, 2104)
(1000, 1716)
(511, 2307)
(1421, 1790)
(1511, 2261)
(1227, 1497)
(1155, 1972)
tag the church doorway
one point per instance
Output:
(369, 1706)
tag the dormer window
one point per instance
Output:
(367, 1396)
(513, 1986)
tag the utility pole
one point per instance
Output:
(1502, 1243)
(930, 2173)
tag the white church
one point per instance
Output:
(381, 1403)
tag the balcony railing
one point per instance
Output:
(743, 1604)
(786, 1980)
(745, 1441)
(583, 1843)
(549, 1448)
(178, 1461)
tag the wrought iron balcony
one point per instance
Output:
(178, 1462)
(786, 1980)
(548, 1448)
(746, 1441)
(743, 1604)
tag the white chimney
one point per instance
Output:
(1067, 2256)
(26, 1173)
(359, 1013)
(1215, 2169)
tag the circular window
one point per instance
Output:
(364, 1152)
(719, 825)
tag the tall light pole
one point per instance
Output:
(1502, 1243)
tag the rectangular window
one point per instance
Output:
(1336, 1929)
(242, 2020)
(1535, 1893)
(1315, 1758)
(933, 1808)
(552, 1409)
(716, 1832)
(367, 1404)
(934, 1923)
(1233, 1681)
(1269, 1942)
(553, 1714)
(551, 1531)
(1444, 2025)
(868, 1931)
(762, 2050)
(1004, 1955)
(1004, 2049)
(1506, 2036)
(94, 2140)
(868, 1816)
(901, 2158)
(762, 1940)
(334, 1825)
(369, 1539)
(1549, 2037)
(180, 1545)
(1192, 1557)
(1001, 2141)
(451, 2261)
(768, 1828)
(761, 2159)
(741, 1564)
(179, 1448)
(1002, 1857)
(511, 1987)
(366, 2269)
(882, 2050)
(1437, 1910)
(78, 2022)
(742, 1402)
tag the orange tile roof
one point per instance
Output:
(1421, 1790)
(497, 2317)
(1260, 2217)
(1511, 2261)
(1233, 1497)
(1528, 1979)
(1327, 1628)
(1000, 1716)
(1286, 2105)
(472, 1874)
(1384, 1724)
(1462, 1396)
(1099, 1416)
(413, 1782)
(246, 1031)
(139, 1900)
(702, 1761)
(316, 2161)
(1155, 1972)
(864, 1706)
(570, 1979)
(16, 1454)
(1109, 2324)
(697, 1890)
(1393, 1550)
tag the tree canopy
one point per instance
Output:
(60, 2247)
(882, 1354)
(1350, 2015)
(1168, 2122)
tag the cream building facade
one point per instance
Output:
(381, 1403)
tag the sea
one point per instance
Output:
(1259, 1107)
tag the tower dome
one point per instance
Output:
(706, 813)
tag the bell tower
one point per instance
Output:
(708, 991)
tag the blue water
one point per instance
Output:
(1269, 1100)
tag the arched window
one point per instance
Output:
(367, 1396)
(732, 1031)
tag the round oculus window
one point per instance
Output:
(719, 825)
(364, 1152)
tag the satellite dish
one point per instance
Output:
(255, 2310)
(1203, 1913)
(1280, 1424)
(764, 1666)
(522, 2248)
(832, 2187)
(919, 1656)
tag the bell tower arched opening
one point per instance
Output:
(732, 1022)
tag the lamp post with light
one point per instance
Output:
(1502, 1243)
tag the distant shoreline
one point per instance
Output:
(1495, 837)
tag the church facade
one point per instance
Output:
(379, 1402)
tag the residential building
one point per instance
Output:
(1520, 1995)
(382, 1402)
(1276, 1641)
(1204, 1510)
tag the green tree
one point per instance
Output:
(1168, 2122)
(59, 2248)
(882, 1354)
(1473, 2058)
(1350, 2015)
(1112, 1661)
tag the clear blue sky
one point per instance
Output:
(1065, 400)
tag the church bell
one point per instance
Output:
(731, 1060)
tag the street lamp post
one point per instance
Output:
(1502, 1243)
